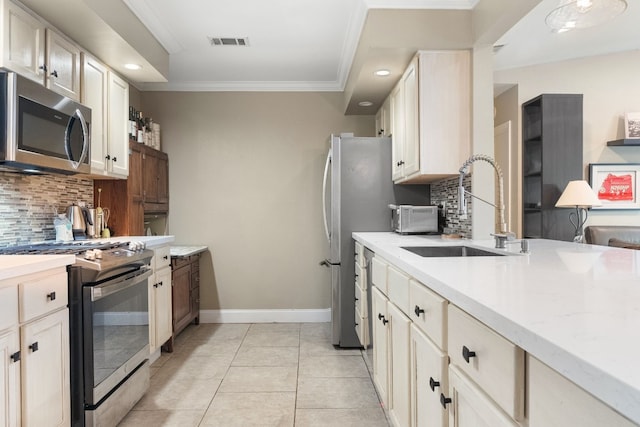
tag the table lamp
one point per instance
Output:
(579, 195)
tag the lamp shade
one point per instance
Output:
(578, 194)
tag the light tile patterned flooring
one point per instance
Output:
(276, 374)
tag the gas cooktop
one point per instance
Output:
(97, 256)
(58, 248)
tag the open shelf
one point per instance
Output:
(628, 142)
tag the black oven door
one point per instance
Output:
(115, 332)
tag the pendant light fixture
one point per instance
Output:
(583, 13)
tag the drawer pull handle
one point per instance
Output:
(467, 354)
(356, 323)
(34, 347)
(384, 321)
(433, 384)
(357, 299)
(165, 257)
(418, 311)
(444, 400)
(15, 356)
(51, 296)
(380, 316)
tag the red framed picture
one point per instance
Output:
(616, 184)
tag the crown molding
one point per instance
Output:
(242, 86)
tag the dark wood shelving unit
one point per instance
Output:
(551, 157)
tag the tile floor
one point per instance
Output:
(258, 375)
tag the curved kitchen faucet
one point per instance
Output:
(504, 235)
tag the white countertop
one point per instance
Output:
(19, 265)
(184, 250)
(574, 307)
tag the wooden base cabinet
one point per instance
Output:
(185, 294)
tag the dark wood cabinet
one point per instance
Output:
(145, 190)
(155, 180)
(551, 157)
(185, 285)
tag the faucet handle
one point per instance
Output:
(501, 239)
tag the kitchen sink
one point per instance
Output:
(449, 251)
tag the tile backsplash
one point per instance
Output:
(29, 203)
(447, 191)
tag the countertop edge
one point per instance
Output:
(12, 266)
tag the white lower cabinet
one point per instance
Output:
(399, 366)
(45, 370)
(10, 376)
(437, 366)
(34, 346)
(469, 406)
(160, 312)
(429, 378)
(380, 344)
(555, 401)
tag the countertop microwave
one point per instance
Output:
(41, 130)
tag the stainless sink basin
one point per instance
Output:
(448, 251)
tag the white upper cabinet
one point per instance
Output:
(63, 66)
(108, 97)
(23, 42)
(118, 123)
(37, 52)
(431, 117)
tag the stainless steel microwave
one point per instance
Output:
(41, 130)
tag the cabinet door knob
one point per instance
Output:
(34, 347)
(433, 384)
(115, 159)
(54, 73)
(467, 354)
(384, 321)
(356, 299)
(160, 284)
(43, 68)
(380, 316)
(444, 400)
(51, 296)
(418, 311)
(155, 285)
(165, 257)
(108, 157)
(15, 356)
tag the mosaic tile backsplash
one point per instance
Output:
(447, 191)
(29, 203)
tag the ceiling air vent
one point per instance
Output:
(229, 41)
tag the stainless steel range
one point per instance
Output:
(109, 326)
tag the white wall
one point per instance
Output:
(610, 87)
(245, 179)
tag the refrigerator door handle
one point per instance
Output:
(324, 196)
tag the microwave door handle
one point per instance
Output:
(85, 138)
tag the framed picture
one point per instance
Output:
(616, 184)
(632, 126)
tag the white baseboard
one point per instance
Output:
(266, 316)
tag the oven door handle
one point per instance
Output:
(116, 285)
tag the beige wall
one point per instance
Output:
(246, 180)
(610, 88)
(506, 109)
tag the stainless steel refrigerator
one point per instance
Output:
(357, 190)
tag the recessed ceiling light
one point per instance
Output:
(365, 103)
(132, 66)
(382, 73)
